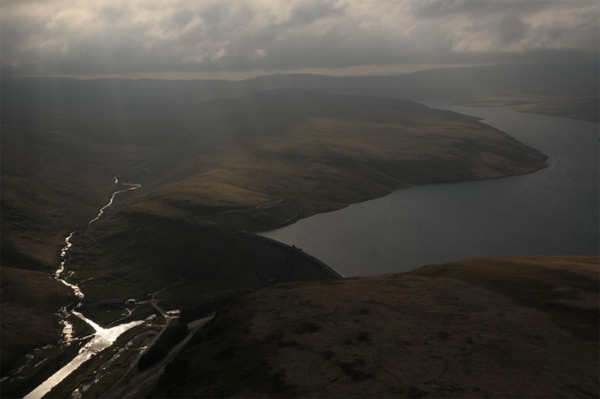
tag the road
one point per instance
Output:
(120, 382)
(138, 385)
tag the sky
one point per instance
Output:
(242, 38)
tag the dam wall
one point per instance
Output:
(275, 262)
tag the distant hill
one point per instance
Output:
(489, 327)
(561, 79)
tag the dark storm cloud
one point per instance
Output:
(105, 36)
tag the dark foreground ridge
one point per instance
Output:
(487, 327)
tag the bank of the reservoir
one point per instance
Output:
(551, 211)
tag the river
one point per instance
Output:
(551, 212)
(102, 338)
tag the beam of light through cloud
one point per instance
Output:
(110, 37)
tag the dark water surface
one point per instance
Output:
(553, 211)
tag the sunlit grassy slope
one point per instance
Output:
(284, 155)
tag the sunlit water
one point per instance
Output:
(551, 212)
(132, 186)
(103, 337)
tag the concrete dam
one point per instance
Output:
(275, 262)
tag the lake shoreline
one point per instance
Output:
(564, 205)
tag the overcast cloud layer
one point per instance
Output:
(139, 36)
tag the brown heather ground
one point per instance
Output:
(488, 327)
(30, 300)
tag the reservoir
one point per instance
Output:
(551, 212)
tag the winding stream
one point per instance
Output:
(132, 186)
(103, 337)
